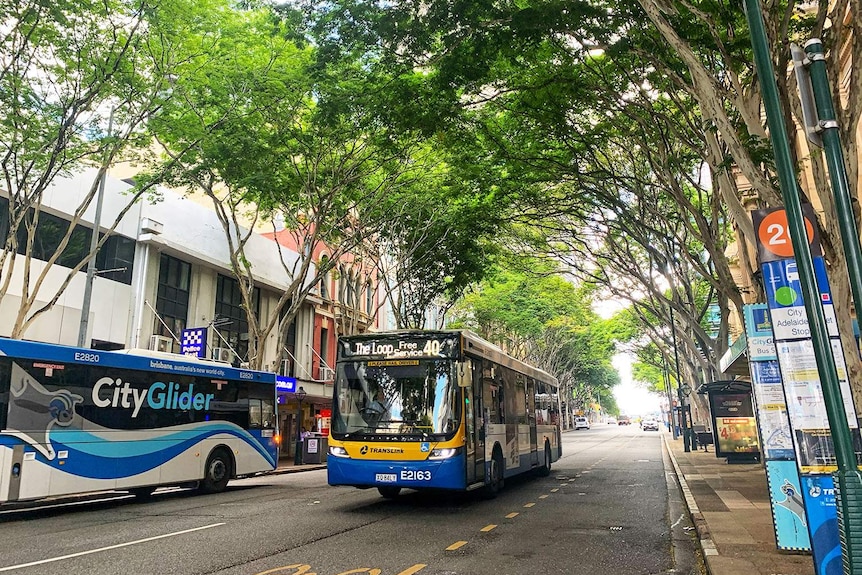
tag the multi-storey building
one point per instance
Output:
(166, 268)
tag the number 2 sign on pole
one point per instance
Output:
(773, 238)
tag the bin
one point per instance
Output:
(314, 449)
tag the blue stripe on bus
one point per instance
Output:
(445, 474)
(66, 354)
(109, 461)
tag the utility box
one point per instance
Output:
(314, 449)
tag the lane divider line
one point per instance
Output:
(487, 528)
(545, 496)
(110, 547)
(512, 515)
(529, 505)
(456, 545)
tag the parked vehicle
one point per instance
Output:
(624, 420)
(582, 423)
(612, 421)
(649, 425)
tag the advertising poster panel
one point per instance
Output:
(734, 424)
(818, 492)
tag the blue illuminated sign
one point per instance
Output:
(285, 384)
(194, 342)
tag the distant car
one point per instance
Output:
(612, 421)
(649, 425)
(624, 420)
(582, 423)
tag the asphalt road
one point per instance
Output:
(610, 506)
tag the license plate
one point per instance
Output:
(385, 477)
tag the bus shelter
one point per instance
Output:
(734, 426)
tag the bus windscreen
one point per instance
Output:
(406, 397)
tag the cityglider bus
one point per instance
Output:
(438, 410)
(76, 420)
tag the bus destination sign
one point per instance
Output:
(404, 347)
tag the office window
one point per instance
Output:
(232, 322)
(50, 231)
(116, 258)
(172, 297)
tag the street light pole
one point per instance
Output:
(682, 423)
(300, 395)
(94, 242)
(667, 388)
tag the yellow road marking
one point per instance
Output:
(529, 504)
(554, 490)
(543, 496)
(456, 545)
(511, 515)
(415, 569)
(487, 528)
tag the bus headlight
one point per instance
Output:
(443, 453)
(336, 451)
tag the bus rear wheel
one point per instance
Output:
(545, 469)
(389, 492)
(217, 472)
(495, 476)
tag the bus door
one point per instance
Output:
(475, 424)
(531, 420)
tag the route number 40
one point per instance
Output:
(300, 569)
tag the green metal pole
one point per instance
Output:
(796, 226)
(847, 481)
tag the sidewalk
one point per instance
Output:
(729, 507)
(286, 465)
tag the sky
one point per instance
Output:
(632, 398)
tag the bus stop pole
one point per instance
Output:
(849, 492)
(847, 480)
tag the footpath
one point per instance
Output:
(729, 507)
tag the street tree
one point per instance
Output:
(78, 85)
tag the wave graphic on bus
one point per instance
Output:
(47, 422)
(132, 453)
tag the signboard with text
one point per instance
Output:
(194, 342)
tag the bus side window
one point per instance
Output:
(267, 413)
(255, 414)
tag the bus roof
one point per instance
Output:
(130, 359)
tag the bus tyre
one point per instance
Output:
(389, 492)
(495, 476)
(545, 469)
(217, 472)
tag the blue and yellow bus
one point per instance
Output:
(76, 420)
(438, 410)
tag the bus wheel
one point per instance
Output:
(217, 472)
(545, 470)
(495, 476)
(389, 492)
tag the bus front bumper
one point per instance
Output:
(442, 474)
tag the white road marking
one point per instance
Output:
(100, 549)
